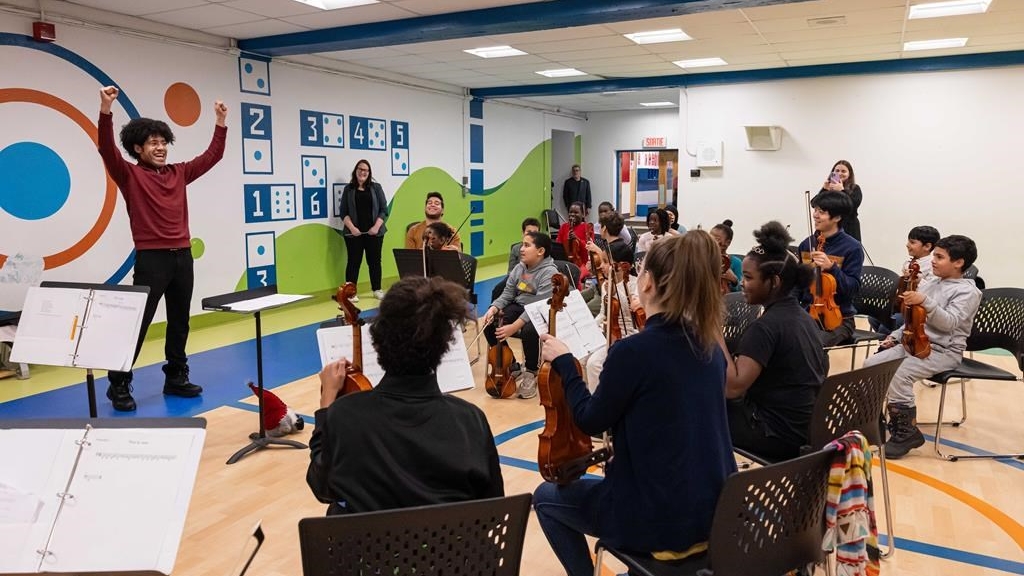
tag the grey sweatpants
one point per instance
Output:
(901, 389)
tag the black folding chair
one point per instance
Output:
(475, 537)
(552, 219)
(875, 300)
(738, 316)
(999, 323)
(768, 521)
(469, 265)
(570, 271)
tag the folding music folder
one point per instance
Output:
(101, 496)
(92, 326)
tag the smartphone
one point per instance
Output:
(834, 178)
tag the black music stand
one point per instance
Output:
(444, 263)
(255, 301)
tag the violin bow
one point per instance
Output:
(456, 233)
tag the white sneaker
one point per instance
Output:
(378, 294)
(354, 299)
(527, 384)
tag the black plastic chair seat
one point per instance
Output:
(866, 336)
(645, 565)
(971, 369)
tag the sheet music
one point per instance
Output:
(453, 374)
(264, 302)
(130, 495)
(112, 330)
(575, 324)
(49, 327)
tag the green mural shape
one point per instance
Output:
(311, 257)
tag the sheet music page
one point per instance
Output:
(575, 324)
(44, 459)
(453, 374)
(264, 302)
(131, 494)
(49, 326)
(111, 330)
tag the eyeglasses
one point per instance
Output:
(362, 171)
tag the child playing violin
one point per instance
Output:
(842, 257)
(672, 449)
(528, 282)
(920, 243)
(625, 290)
(574, 235)
(950, 301)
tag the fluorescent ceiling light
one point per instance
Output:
(658, 36)
(935, 44)
(561, 73)
(700, 62)
(657, 104)
(495, 52)
(335, 4)
(954, 8)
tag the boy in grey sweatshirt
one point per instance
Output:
(950, 301)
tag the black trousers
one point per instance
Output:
(841, 335)
(750, 434)
(168, 273)
(528, 334)
(357, 246)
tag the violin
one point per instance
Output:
(726, 265)
(612, 308)
(639, 316)
(564, 452)
(823, 309)
(914, 339)
(499, 382)
(576, 247)
(355, 380)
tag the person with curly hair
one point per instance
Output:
(154, 194)
(404, 443)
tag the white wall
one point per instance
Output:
(606, 132)
(927, 148)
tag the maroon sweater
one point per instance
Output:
(156, 200)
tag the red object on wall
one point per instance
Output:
(44, 31)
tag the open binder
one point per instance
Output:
(107, 497)
(85, 326)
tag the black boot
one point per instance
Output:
(120, 391)
(176, 382)
(903, 433)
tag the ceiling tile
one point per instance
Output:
(139, 7)
(206, 16)
(272, 8)
(350, 16)
(256, 29)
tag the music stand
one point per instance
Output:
(447, 264)
(131, 332)
(255, 301)
(409, 262)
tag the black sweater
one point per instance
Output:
(401, 444)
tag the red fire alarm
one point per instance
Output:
(44, 31)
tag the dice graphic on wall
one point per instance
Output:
(314, 187)
(257, 139)
(367, 133)
(269, 202)
(337, 190)
(399, 161)
(377, 134)
(320, 129)
(254, 75)
(261, 263)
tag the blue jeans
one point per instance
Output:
(565, 523)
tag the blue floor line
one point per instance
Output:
(930, 439)
(955, 555)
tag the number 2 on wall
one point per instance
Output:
(256, 117)
(262, 276)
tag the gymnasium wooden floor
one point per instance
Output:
(951, 518)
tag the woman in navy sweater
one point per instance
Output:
(668, 420)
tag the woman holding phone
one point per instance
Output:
(841, 179)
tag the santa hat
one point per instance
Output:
(274, 410)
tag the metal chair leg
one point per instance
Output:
(954, 458)
(888, 506)
(938, 427)
(963, 408)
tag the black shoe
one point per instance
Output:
(120, 393)
(904, 434)
(176, 382)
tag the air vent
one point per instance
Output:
(826, 22)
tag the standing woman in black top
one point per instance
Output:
(841, 179)
(363, 212)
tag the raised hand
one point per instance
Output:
(108, 94)
(221, 111)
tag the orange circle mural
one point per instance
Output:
(182, 104)
(110, 196)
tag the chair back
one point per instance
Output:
(999, 322)
(738, 316)
(475, 537)
(851, 401)
(877, 294)
(771, 520)
(552, 219)
(410, 225)
(971, 273)
(469, 274)
(638, 260)
(570, 270)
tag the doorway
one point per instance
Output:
(646, 180)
